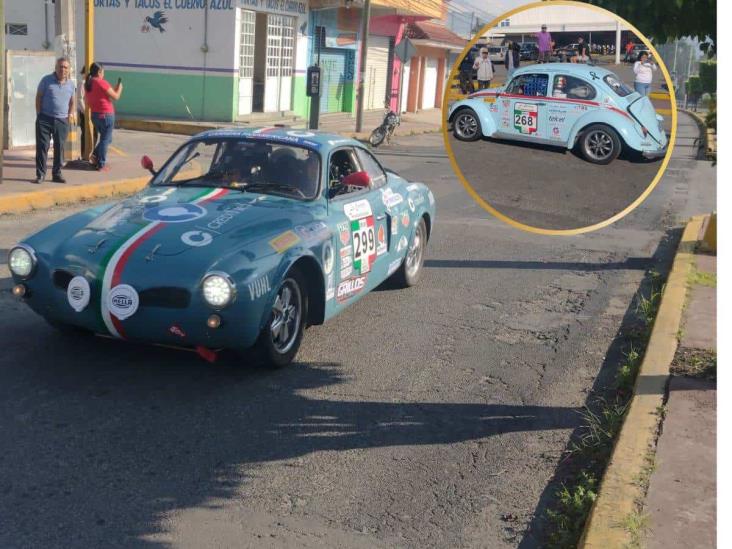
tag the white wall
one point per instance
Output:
(31, 13)
(559, 19)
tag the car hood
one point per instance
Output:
(642, 110)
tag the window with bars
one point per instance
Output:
(280, 45)
(246, 44)
(16, 29)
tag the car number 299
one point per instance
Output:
(364, 243)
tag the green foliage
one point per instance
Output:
(708, 76)
(694, 86)
(665, 20)
(568, 518)
(625, 378)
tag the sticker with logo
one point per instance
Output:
(78, 293)
(344, 232)
(177, 331)
(381, 240)
(197, 239)
(390, 198)
(419, 200)
(490, 100)
(284, 242)
(413, 187)
(364, 244)
(357, 210)
(405, 219)
(228, 214)
(394, 225)
(350, 288)
(259, 288)
(346, 272)
(153, 199)
(556, 133)
(179, 213)
(328, 258)
(123, 301)
(393, 266)
(314, 232)
(410, 202)
(330, 289)
(402, 244)
(526, 118)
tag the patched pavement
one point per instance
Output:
(429, 417)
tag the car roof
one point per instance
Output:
(567, 68)
(311, 139)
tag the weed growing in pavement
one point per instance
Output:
(701, 278)
(636, 523)
(647, 307)
(599, 428)
(573, 505)
(628, 371)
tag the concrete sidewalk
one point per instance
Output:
(681, 501)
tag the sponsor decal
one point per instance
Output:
(506, 103)
(489, 100)
(177, 331)
(394, 225)
(197, 239)
(390, 198)
(556, 119)
(314, 232)
(346, 272)
(393, 266)
(180, 213)
(300, 134)
(402, 244)
(357, 210)
(350, 288)
(526, 117)
(328, 258)
(259, 287)
(364, 244)
(153, 199)
(123, 301)
(78, 293)
(419, 200)
(414, 187)
(381, 240)
(330, 289)
(431, 198)
(556, 132)
(344, 230)
(284, 242)
(230, 213)
(410, 202)
(405, 219)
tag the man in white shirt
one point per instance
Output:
(484, 67)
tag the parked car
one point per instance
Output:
(274, 230)
(497, 54)
(528, 51)
(565, 105)
(637, 50)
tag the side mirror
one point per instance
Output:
(147, 163)
(357, 179)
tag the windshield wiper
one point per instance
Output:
(274, 186)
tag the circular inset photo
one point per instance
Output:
(560, 117)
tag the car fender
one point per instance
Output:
(620, 122)
(421, 202)
(487, 123)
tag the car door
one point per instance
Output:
(524, 107)
(571, 97)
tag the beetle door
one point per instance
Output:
(525, 111)
(570, 99)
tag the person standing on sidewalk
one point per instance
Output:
(643, 70)
(485, 69)
(512, 59)
(55, 109)
(544, 42)
(99, 95)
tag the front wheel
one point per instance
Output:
(377, 137)
(410, 272)
(282, 335)
(466, 126)
(600, 144)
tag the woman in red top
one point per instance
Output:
(99, 96)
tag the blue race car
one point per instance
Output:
(566, 105)
(241, 239)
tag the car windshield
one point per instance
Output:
(617, 85)
(244, 164)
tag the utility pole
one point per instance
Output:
(66, 36)
(88, 58)
(362, 64)
(3, 78)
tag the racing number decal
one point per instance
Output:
(364, 244)
(526, 117)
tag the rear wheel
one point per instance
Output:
(377, 136)
(282, 335)
(600, 144)
(466, 126)
(410, 272)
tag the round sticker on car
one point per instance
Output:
(328, 258)
(180, 213)
(123, 301)
(78, 293)
(197, 239)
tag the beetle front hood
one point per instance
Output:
(642, 110)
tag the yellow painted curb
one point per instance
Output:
(163, 126)
(661, 95)
(710, 137)
(620, 489)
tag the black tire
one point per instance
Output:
(410, 271)
(600, 144)
(377, 136)
(272, 351)
(466, 125)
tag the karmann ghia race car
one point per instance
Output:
(566, 105)
(241, 239)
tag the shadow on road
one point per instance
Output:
(109, 441)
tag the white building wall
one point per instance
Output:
(31, 13)
(559, 19)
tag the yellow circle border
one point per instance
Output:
(559, 232)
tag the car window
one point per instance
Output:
(529, 84)
(342, 163)
(371, 166)
(617, 85)
(570, 87)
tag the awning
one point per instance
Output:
(425, 43)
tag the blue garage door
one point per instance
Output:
(333, 67)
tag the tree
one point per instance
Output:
(665, 20)
(708, 76)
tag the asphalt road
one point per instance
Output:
(429, 417)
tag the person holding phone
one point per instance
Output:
(643, 70)
(99, 95)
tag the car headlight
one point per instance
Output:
(22, 261)
(218, 290)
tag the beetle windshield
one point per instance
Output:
(244, 164)
(617, 85)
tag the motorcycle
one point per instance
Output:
(386, 130)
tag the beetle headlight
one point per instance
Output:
(218, 290)
(22, 261)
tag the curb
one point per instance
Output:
(620, 490)
(710, 136)
(25, 202)
(164, 126)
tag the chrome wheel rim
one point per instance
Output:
(466, 125)
(416, 251)
(599, 145)
(286, 316)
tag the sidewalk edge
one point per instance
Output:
(709, 135)
(25, 202)
(620, 490)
